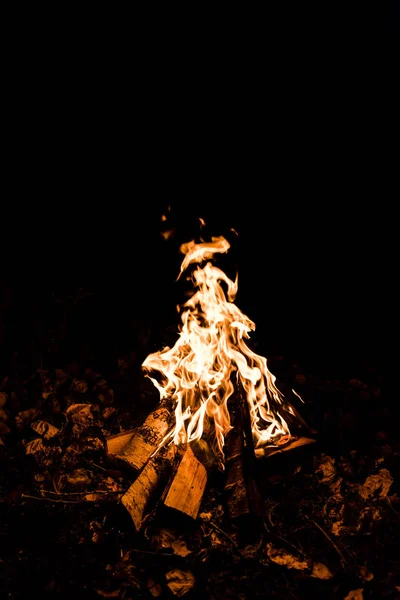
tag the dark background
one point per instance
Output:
(281, 126)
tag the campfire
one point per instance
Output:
(220, 407)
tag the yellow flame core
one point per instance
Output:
(196, 373)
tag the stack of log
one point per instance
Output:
(173, 476)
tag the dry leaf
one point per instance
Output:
(154, 588)
(355, 595)
(180, 582)
(3, 399)
(79, 385)
(44, 455)
(4, 429)
(321, 571)
(326, 468)
(106, 594)
(286, 559)
(45, 429)
(281, 557)
(34, 446)
(24, 417)
(61, 377)
(166, 539)
(76, 480)
(365, 574)
(379, 484)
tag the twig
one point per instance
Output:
(285, 541)
(270, 512)
(94, 465)
(342, 558)
(150, 552)
(42, 499)
(391, 506)
(86, 492)
(223, 533)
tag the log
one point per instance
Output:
(242, 496)
(145, 439)
(142, 493)
(289, 443)
(116, 443)
(187, 488)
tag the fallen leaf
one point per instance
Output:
(321, 571)
(378, 484)
(3, 399)
(4, 429)
(166, 539)
(79, 385)
(286, 559)
(44, 455)
(154, 588)
(24, 417)
(106, 594)
(365, 574)
(326, 468)
(355, 595)
(45, 429)
(76, 481)
(34, 446)
(82, 415)
(61, 377)
(180, 582)
(108, 412)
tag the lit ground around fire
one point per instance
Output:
(331, 509)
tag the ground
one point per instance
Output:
(330, 525)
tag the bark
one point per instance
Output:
(145, 440)
(241, 491)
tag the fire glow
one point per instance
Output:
(211, 360)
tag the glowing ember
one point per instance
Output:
(198, 373)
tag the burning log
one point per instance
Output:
(242, 496)
(187, 488)
(143, 491)
(135, 448)
(117, 443)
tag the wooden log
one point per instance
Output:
(242, 496)
(142, 493)
(117, 443)
(145, 439)
(286, 444)
(237, 499)
(187, 488)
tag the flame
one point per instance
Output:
(198, 372)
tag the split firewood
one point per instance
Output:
(143, 493)
(187, 488)
(241, 492)
(284, 445)
(143, 441)
(117, 443)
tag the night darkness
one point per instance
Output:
(278, 133)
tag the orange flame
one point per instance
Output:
(196, 373)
